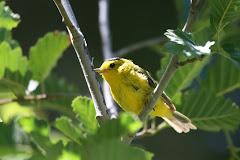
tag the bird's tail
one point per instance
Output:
(179, 122)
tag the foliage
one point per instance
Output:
(222, 14)
(182, 43)
(46, 52)
(47, 119)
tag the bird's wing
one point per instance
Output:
(152, 83)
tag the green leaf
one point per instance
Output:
(8, 19)
(115, 128)
(210, 113)
(85, 110)
(222, 78)
(13, 69)
(65, 125)
(38, 131)
(31, 124)
(105, 144)
(222, 13)
(68, 155)
(201, 30)
(9, 111)
(45, 54)
(113, 149)
(182, 77)
(182, 43)
(5, 35)
(14, 142)
(232, 52)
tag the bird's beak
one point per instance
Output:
(99, 70)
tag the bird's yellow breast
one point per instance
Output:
(129, 89)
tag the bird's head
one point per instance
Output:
(113, 67)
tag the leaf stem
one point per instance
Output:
(233, 151)
(189, 61)
(80, 46)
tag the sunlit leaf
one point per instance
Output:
(115, 128)
(13, 69)
(8, 19)
(182, 43)
(45, 54)
(9, 111)
(68, 155)
(85, 110)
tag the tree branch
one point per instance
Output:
(172, 66)
(122, 52)
(107, 51)
(39, 97)
(80, 46)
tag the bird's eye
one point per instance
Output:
(112, 65)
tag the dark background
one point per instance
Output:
(130, 21)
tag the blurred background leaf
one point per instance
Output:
(105, 144)
(210, 113)
(222, 14)
(45, 54)
(8, 19)
(73, 132)
(222, 78)
(13, 70)
(15, 144)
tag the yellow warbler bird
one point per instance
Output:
(131, 87)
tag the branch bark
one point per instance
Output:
(80, 46)
(171, 68)
(107, 51)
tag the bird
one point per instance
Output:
(131, 87)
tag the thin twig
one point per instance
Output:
(233, 150)
(80, 46)
(107, 51)
(122, 52)
(39, 97)
(188, 61)
(171, 68)
(151, 131)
